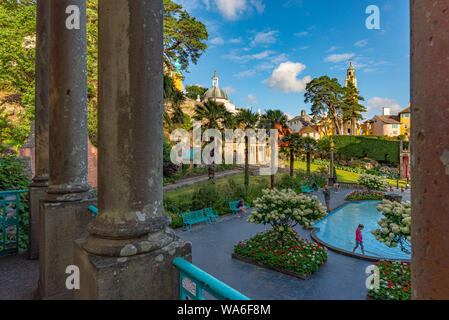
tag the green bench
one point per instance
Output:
(233, 207)
(306, 189)
(193, 217)
(211, 215)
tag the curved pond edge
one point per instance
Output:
(349, 253)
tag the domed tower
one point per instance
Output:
(218, 95)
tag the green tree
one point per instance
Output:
(184, 36)
(247, 120)
(17, 55)
(326, 96)
(212, 116)
(194, 91)
(173, 99)
(352, 109)
(291, 145)
(273, 119)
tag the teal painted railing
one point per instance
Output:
(9, 221)
(94, 210)
(203, 282)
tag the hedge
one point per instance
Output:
(383, 151)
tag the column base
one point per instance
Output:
(36, 194)
(60, 224)
(149, 276)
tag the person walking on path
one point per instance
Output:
(327, 197)
(359, 239)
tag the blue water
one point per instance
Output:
(338, 229)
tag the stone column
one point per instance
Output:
(38, 188)
(64, 214)
(430, 148)
(129, 251)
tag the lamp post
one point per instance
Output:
(331, 178)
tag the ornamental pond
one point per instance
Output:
(338, 230)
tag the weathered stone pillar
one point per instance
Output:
(430, 148)
(38, 188)
(64, 214)
(129, 252)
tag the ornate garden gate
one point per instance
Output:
(9, 222)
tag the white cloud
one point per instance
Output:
(285, 77)
(339, 57)
(289, 115)
(235, 9)
(374, 106)
(235, 56)
(235, 40)
(332, 49)
(304, 48)
(252, 98)
(361, 43)
(301, 34)
(229, 90)
(258, 5)
(217, 41)
(264, 38)
(245, 74)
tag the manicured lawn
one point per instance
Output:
(239, 179)
(343, 176)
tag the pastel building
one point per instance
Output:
(219, 95)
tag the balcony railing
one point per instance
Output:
(9, 221)
(203, 282)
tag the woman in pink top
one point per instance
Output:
(359, 239)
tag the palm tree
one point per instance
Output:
(351, 107)
(309, 146)
(212, 116)
(273, 119)
(247, 120)
(292, 145)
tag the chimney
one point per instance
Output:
(386, 111)
(303, 113)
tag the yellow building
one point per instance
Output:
(404, 117)
(177, 76)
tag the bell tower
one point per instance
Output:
(350, 77)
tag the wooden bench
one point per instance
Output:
(234, 209)
(306, 189)
(211, 215)
(193, 217)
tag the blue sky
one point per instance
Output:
(265, 51)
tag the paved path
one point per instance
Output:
(341, 277)
(185, 183)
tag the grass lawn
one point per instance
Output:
(239, 179)
(343, 176)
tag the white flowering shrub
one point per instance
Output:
(395, 224)
(372, 182)
(285, 209)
